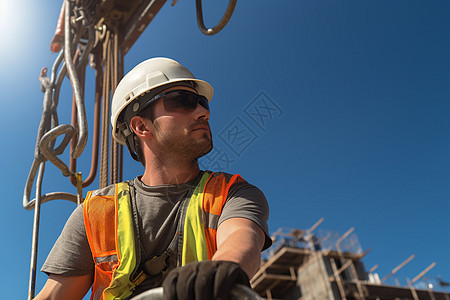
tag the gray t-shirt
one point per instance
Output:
(157, 208)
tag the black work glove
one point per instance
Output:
(204, 280)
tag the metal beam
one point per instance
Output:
(137, 23)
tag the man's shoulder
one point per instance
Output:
(227, 176)
(238, 185)
(105, 191)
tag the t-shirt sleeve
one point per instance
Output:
(245, 200)
(71, 255)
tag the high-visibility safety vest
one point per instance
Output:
(109, 223)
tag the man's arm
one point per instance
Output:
(240, 240)
(65, 287)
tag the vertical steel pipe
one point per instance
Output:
(35, 239)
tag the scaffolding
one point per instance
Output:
(325, 265)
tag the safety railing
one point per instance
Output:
(319, 240)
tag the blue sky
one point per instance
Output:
(356, 128)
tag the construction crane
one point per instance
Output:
(98, 33)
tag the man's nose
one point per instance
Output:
(201, 113)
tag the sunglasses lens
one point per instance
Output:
(204, 102)
(184, 101)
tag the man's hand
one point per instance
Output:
(203, 280)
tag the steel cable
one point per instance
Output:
(103, 179)
(49, 128)
(114, 78)
(81, 112)
(96, 129)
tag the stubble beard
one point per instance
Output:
(186, 148)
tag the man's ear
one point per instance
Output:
(141, 127)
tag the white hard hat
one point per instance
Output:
(149, 77)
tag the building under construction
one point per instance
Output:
(324, 265)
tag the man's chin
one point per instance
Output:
(207, 150)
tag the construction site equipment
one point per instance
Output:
(99, 33)
(309, 264)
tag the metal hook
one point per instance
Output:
(223, 22)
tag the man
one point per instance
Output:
(206, 228)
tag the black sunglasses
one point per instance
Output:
(182, 101)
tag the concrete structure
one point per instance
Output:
(327, 266)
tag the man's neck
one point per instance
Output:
(159, 175)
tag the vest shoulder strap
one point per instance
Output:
(113, 253)
(202, 216)
(99, 219)
(214, 198)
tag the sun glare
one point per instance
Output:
(14, 21)
(9, 20)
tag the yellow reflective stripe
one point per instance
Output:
(194, 240)
(88, 195)
(121, 285)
